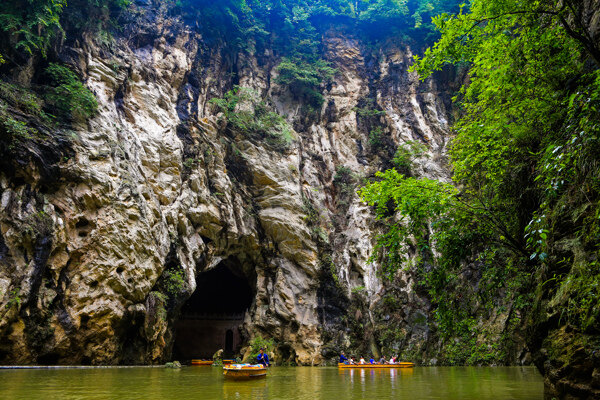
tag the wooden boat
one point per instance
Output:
(377, 366)
(225, 362)
(244, 371)
(202, 362)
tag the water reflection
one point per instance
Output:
(302, 383)
(245, 389)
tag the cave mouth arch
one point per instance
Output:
(210, 319)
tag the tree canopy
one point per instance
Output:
(524, 156)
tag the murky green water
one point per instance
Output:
(281, 383)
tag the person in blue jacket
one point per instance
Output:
(262, 358)
(343, 358)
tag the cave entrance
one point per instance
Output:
(211, 317)
(229, 341)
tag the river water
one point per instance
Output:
(302, 383)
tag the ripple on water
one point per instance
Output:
(301, 383)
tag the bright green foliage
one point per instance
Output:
(428, 221)
(304, 78)
(291, 30)
(358, 289)
(248, 114)
(32, 23)
(509, 107)
(258, 343)
(14, 299)
(407, 153)
(16, 131)
(174, 282)
(368, 111)
(376, 137)
(22, 115)
(568, 170)
(518, 115)
(418, 202)
(526, 157)
(68, 95)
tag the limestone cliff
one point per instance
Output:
(156, 185)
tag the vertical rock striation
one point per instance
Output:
(92, 229)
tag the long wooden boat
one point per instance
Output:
(244, 371)
(225, 362)
(202, 362)
(377, 366)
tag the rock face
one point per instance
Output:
(156, 185)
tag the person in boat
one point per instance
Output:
(353, 360)
(382, 360)
(343, 359)
(393, 360)
(362, 360)
(263, 358)
(371, 360)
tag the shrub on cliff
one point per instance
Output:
(38, 115)
(69, 97)
(304, 79)
(257, 343)
(17, 106)
(406, 154)
(246, 113)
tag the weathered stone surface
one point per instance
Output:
(155, 180)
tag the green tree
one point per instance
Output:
(524, 155)
(418, 203)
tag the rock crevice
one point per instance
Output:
(157, 189)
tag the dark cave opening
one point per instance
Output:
(210, 319)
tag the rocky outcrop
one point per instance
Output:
(157, 183)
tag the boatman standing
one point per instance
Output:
(262, 358)
(343, 359)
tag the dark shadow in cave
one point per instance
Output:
(211, 317)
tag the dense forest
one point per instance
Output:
(523, 205)
(524, 201)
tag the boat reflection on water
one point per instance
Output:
(299, 383)
(245, 389)
(360, 375)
